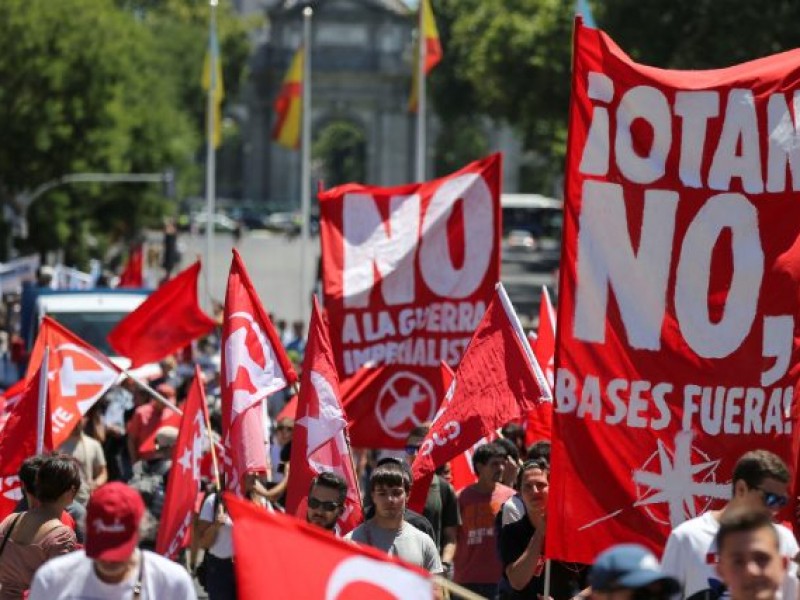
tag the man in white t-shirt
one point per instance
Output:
(111, 566)
(760, 481)
(215, 535)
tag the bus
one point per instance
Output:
(532, 226)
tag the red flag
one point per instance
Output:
(184, 477)
(497, 378)
(9, 399)
(678, 305)
(462, 472)
(169, 319)
(132, 275)
(538, 422)
(340, 569)
(320, 442)
(407, 274)
(79, 375)
(382, 412)
(254, 365)
(18, 442)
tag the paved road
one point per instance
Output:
(273, 262)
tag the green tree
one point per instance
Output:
(341, 148)
(511, 59)
(104, 86)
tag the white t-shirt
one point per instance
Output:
(72, 577)
(223, 544)
(691, 555)
(513, 510)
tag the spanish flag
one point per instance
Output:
(432, 47)
(212, 84)
(289, 105)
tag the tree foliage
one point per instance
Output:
(341, 149)
(100, 86)
(510, 59)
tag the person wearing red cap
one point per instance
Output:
(111, 565)
(146, 421)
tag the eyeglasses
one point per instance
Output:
(773, 500)
(412, 449)
(327, 506)
(284, 428)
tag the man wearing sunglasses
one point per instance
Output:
(760, 482)
(326, 500)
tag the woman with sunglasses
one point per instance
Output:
(760, 481)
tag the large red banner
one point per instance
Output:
(677, 341)
(407, 274)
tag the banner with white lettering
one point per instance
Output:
(407, 274)
(677, 342)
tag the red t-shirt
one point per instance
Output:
(476, 559)
(144, 424)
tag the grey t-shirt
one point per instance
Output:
(408, 543)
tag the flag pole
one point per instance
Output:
(305, 158)
(421, 100)
(41, 417)
(211, 155)
(143, 386)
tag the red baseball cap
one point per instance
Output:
(112, 522)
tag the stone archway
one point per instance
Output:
(340, 149)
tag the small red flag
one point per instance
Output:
(18, 442)
(9, 399)
(539, 421)
(340, 569)
(320, 436)
(79, 374)
(168, 320)
(497, 378)
(133, 274)
(184, 477)
(254, 365)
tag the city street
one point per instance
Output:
(273, 262)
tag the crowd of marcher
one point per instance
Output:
(87, 524)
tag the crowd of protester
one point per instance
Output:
(87, 524)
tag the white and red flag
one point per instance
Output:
(497, 379)
(462, 472)
(169, 319)
(340, 569)
(18, 440)
(407, 274)
(539, 421)
(9, 399)
(678, 339)
(254, 365)
(78, 373)
(320, 441)
(183, 484)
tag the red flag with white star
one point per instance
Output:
(320, 433)
(184, 476)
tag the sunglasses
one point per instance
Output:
(773, 500)
(327, 506)
(412, 449)
(283, 428)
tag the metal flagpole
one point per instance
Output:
(41, 417)
(211, 155)
(421, 104)
(305, 160)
